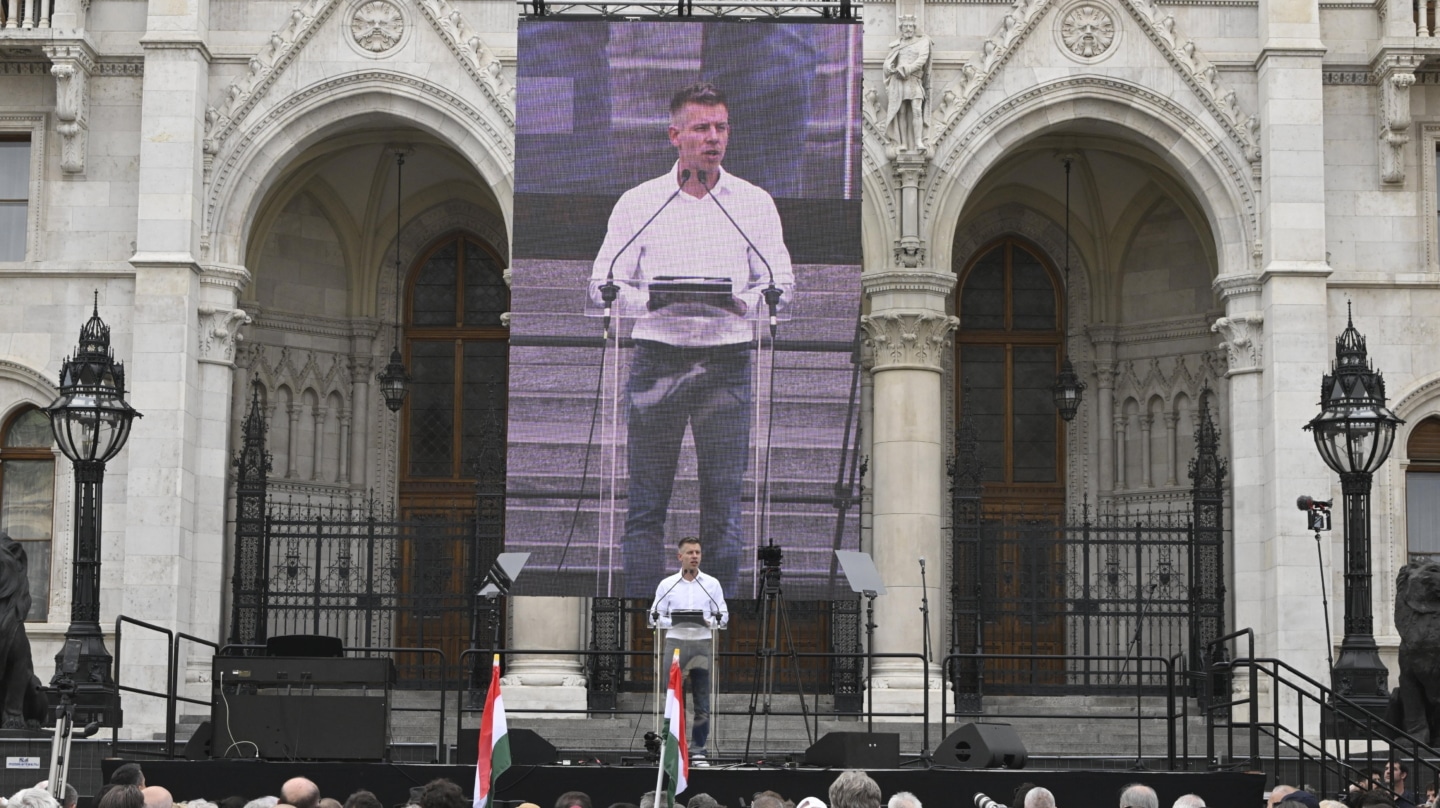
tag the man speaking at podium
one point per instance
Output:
(688, 606)
(698, 257)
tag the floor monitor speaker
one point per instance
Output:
(855, 750)
(982, 746)
(527, 748)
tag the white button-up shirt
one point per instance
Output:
(703, 594)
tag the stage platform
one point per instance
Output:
(937, 788)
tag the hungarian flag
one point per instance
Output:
(675, 756)
(493, 756)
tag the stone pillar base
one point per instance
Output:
(908, 700)
(568, 697)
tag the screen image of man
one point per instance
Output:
(691, 591)
(691, 364)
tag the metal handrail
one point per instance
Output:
(169, 677)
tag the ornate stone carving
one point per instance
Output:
(1395, 76)
(907, 87)
(1241, 335)
(909, 170)
(377, 26)
(219, 333)
(72, 66)
(913, 340)
(1088, 31)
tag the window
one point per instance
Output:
(14, 195)
(27, 498)
(1422, 489)
(1008, 352)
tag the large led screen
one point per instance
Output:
(685, 292)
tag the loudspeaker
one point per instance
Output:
(527, 748)
(304, 645)
(982, 746)
(198, 747)
(299, 727)
(855, 750)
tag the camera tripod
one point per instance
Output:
(774, 624)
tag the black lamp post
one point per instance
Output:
(91, 421)
(1068, 388)
(394, 378)
(1354, 432)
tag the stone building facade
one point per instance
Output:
(223, 172)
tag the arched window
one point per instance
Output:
(27, 498)
(1007, 355)
(458, 357)
(1422, 489)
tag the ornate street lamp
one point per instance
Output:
(394, 378)
(91, 421)
(1068, 388)
(1354, 432)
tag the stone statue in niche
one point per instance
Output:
(907, 83)
(25, 705)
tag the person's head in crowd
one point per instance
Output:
(442, 793)
(157, 797)
(33, 798)
(1038, 798)
(808, 802)
(1189, 801)
(1332, 804)
(767, 799)
(1018, 799)
(624, 805)
(198, 804)
(903, 799)
(701, 801)
(1375, 798)
(1395, 775)
(647, 800)
(1138, 795)
(330, 802)
(300, 792)
(232, 801)
(363, 799)
(71, 795)
(573, 799)
(1277, 794)
(1300, 798)
(128, 774)
(854, 789)
(122, 796)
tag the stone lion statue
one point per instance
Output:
(24, 705)
(1415, 705)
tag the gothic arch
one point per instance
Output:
(1191, 148)
(255, 160)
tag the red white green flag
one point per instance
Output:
(493, 756)
(674, 755)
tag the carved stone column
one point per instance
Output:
(1172, 419)
(1395, 75)
(342, 472)
(1146, 422)
(318, 441)
(551, 681)
(292, 449)
(908, 332)
(1103, 338)
(361, 370)
(909, 170)
(1121, 454)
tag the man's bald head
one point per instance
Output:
(157, 797)
(1039, 798)
(1279, 793)
(300, 792)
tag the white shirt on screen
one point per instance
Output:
(703, 594)
(692, 237)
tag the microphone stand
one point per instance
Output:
(1324, 600)
(925, 647)
(771, 293)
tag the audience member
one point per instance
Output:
(854, 789)
(442, 793)
(71, 795)
(1375, 798)
(300, 792)
(702, 801)
(573, 799)
(330, 802)
(157, 797)
(1331, 804)
(1018, 800)
(33, 798)
(123, 796)
(1395, 776)
(1189, 801)
(623, 805)
(904, 799)
(1277, 794)
(767, 800)
(237, 801)
(1137, 795)
(128, 774)
(1038, 798)
(808, 802)
(361, 799)
(263, 802)
(1297, 798)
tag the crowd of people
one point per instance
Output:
(853, 788)
(1381, 787)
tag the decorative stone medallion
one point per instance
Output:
(1087, 31)
(377, 26)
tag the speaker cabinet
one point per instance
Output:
(855, 750)
(299, 727)
(527, 748)
(982, 746)
(198, 747)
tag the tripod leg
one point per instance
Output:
(756, 680)
(795, 669)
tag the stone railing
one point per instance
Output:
(25, 14)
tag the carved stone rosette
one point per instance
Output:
(1241, 335)
(914, 340)
(219, 333)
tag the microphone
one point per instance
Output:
(771, 293)
(655, 607)
(922, 562)
(718, 611)
(609, 290)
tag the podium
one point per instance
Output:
(693, 653)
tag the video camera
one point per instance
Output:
(1317, 512)
(982, 801)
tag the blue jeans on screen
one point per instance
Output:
(707, 389)
(695, 660)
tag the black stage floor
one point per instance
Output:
(937, 788)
